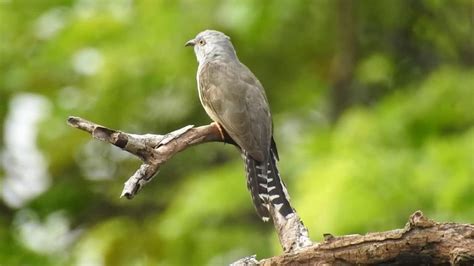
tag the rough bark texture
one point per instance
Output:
(421, 242)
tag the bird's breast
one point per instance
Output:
(203, 96)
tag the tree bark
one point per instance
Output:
(421, 242)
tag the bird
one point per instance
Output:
(235, 100)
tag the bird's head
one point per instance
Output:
(210, 43)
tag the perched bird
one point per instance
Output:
(235, 99)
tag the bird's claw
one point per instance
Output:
(221, 131)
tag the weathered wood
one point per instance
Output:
(421, 242)
(153, 150)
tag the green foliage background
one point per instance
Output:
(403, 140)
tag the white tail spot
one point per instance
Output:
(273, 197)
(278, 206)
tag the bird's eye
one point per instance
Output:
(202, 42)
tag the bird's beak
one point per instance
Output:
(190, 43)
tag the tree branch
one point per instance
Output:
(421, 242)
(155, 150)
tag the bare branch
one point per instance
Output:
(155, 150)
(421, 242)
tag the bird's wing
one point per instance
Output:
(233, 97)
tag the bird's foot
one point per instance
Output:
(221, 131)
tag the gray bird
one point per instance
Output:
(234, 98)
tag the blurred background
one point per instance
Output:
(373, 105)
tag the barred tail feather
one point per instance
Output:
(277, 192)
(266, 187)
(257, 191)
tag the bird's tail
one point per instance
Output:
(267, 189)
